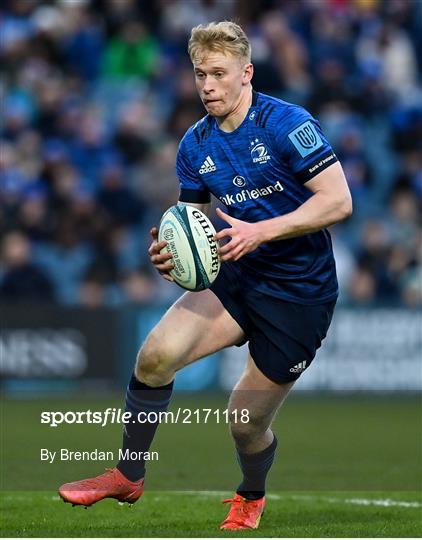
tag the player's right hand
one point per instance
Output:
(161, 261)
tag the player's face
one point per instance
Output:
(219, 80)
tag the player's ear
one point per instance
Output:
(247, 73)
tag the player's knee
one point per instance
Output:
(246, 429)
(153, 363)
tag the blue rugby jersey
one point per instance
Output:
(258, 171)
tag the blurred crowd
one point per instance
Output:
(96, 94)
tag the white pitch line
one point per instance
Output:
(355, 501)
(384, 502)
(363, 502)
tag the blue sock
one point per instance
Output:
(137, 436)
(255, 468)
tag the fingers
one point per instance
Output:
(161, 261)
(162, 264)
(238, 253)
(223, 215)
(156, 247)
(160, 257)
(234, 255)
(224, 233)
(232, 251)
(228, 247)
(167, 277)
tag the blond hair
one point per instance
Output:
(224, 37)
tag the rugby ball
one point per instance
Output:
(190, 238)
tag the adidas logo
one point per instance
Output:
(207, 166)
(299, 367)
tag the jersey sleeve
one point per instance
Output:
(192, 189)
(304, 146)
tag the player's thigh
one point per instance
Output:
(195, 326)
(259, 395)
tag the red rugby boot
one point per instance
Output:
(110, 485)
(243, 514)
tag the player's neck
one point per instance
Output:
(233, 120)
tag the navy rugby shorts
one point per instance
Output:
(283, 336)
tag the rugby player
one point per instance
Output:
(269, 163)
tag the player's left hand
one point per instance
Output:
(245, 237)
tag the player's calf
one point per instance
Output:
(141, 400)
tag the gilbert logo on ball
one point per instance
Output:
(190, 239)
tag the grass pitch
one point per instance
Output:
(346, 466)
(189, 514)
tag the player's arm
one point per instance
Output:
(331, 202)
